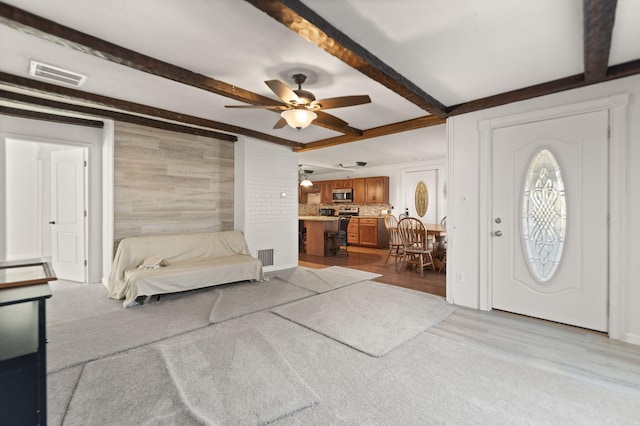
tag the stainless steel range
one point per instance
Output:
(349, 211)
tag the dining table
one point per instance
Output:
(436, 229)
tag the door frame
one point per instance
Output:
(617, 106)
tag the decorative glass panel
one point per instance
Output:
(422, 199)
(544, 215)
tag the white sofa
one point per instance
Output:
(192, 261)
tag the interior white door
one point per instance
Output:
(412, 184)
(547, 264)
(68, 246)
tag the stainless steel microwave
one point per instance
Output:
(344, 195)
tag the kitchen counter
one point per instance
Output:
(319, 218)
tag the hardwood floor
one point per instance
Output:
(372, 260)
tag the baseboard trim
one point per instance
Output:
(634, 339)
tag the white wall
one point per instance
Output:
(21, 206)
(269, 219)
(464, 189)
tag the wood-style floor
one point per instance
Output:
(585, 355)
(372, 260)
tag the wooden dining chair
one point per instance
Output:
(395, 242)
(415, 244)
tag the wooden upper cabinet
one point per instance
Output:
(325, 192)
(358, 191)
(343, 184)
(377, 189)
(371, 190)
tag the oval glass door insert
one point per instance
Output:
(544, 215)
(421, 199)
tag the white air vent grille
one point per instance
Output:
(57, 74)
(266, 257)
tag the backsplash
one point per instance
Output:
(365, 209)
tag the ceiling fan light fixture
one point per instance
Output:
(298, 118)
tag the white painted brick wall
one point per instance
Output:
(263, 172)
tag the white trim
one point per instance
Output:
(108, 233)
(451, 217)
(634, 339)
(484, 217)
(616, 105)
(618, 286)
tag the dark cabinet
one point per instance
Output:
(23, 366)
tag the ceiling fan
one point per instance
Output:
(300, 107)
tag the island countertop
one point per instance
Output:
(319, 218)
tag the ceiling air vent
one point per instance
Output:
(57, 74)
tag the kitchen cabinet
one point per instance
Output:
(371, 190)
(313, 188)
(353, 231)
(358, 190)
(377, 190)
(367, 232)
(343, 184)
(325, 192)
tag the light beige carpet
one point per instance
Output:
(240, 299)
(371, 317)
(235, 378)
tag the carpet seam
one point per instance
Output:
(73, 393)
(197, 416)
(128, 349)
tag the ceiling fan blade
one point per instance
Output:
(273, 107)
(283, 91)
(280, 123)
(330, 120)
(342, 101)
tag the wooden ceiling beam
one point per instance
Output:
(598, 19)
(105, 101)
(306, 23)
(402, 126)
(115, 115)
(617, 71)
(44, 116)
(31, 24)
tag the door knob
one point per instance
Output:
(498, 233)
(53, 222)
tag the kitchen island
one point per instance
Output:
(315, 228)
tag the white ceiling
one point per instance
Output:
(454, 50)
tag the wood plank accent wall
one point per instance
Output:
(167, 182)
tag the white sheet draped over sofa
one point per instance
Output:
(194, 261)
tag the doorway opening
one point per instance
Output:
(42, 196)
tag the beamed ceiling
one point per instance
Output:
(175, 65)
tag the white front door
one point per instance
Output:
(421, 195)
(548, 261)
(68, 245)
